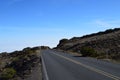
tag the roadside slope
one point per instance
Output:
(107, 42)
(21, 65)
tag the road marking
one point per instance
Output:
(90, 68)
(44, 69)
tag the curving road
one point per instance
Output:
(62, 66)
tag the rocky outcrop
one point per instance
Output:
(107, 42)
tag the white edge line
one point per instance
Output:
(44, 69)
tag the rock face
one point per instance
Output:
(102, 42)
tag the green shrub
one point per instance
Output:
(8, 73)
(88, 51)
(15, 58)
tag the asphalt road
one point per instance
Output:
(62, 66)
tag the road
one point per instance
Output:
(61, 66)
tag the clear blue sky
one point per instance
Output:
(44, 22)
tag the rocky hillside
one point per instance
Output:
(18, 65)
(102, 43)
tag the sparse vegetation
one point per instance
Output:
(88, 51)
(104, 44)
(18, 63)
(8, 73)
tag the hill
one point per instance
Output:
(101, 44)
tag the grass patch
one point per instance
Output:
(8, 73)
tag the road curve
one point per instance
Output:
(62, 66)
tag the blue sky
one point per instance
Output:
(44, 22)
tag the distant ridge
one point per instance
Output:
(99, 33)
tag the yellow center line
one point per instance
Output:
(90, 68)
